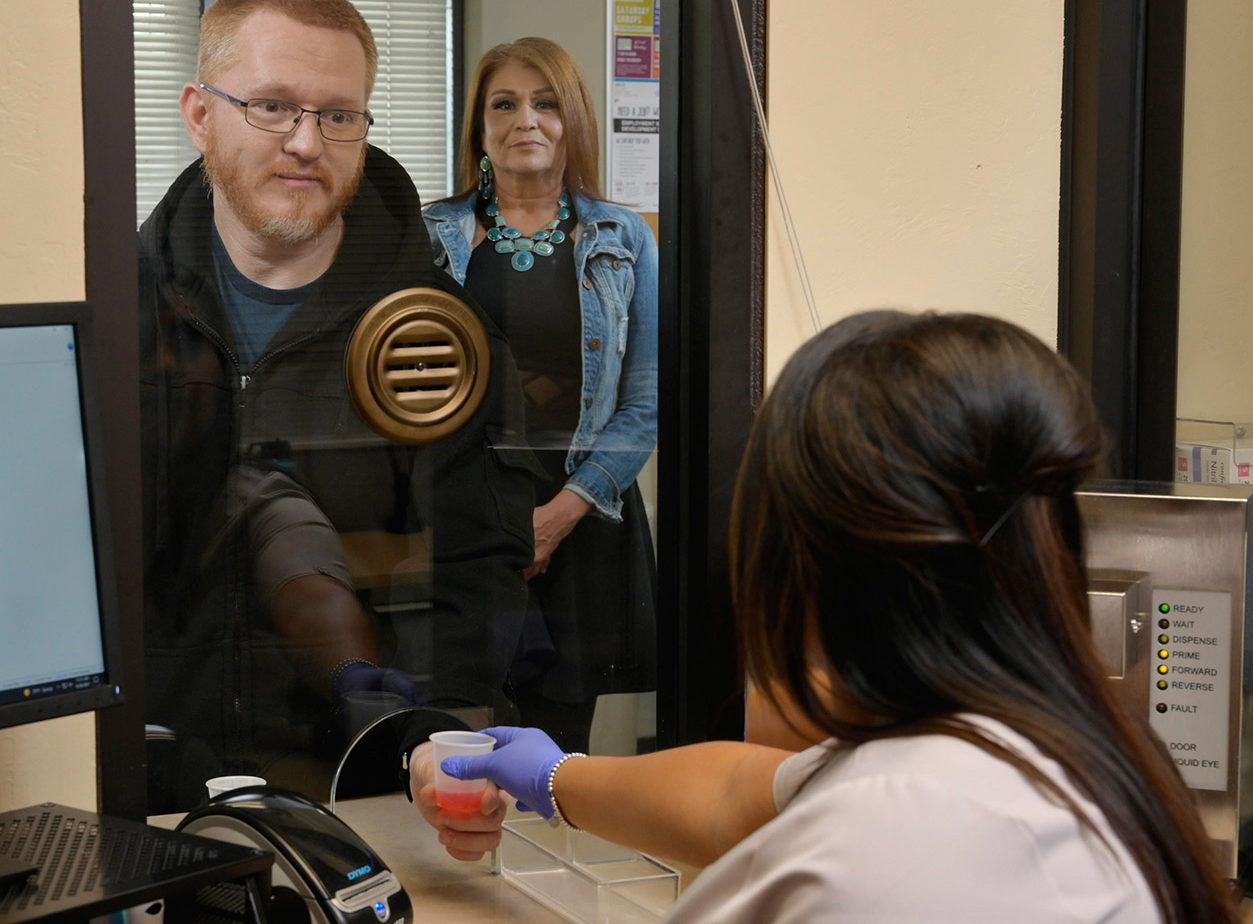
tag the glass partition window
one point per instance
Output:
(396, 450)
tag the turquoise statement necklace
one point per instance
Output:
(509, 239)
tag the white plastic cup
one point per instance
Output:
(459, 797)
(221, 784)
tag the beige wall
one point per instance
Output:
(919, 147)
(41, 149)
(1215, 268)
(41, 260)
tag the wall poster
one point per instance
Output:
(634, 103)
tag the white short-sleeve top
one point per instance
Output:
(923, 830)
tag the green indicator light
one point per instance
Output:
(1163, 607)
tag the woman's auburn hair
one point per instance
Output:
(578, 114)
(907, 500)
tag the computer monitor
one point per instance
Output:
(58, 610)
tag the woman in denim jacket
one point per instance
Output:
(572, 281)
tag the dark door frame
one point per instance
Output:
(1122, 156)
(108, 80)
(712, 322)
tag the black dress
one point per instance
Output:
(591, 621)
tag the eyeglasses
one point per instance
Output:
(275, 115)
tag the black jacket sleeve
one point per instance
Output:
(417, 726)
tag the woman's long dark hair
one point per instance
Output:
(907, 500)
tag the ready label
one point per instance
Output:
(1189, 706)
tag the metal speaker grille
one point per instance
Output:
(418, 365)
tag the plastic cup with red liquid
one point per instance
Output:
(459, 797)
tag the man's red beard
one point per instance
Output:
(230, 180)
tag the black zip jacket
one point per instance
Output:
(217, 674)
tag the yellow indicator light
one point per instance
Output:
(1162, 669)
(1163, 639)
(1162, 684)
(1163, 654)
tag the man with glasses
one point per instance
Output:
(255, 269)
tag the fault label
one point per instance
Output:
(1190, 681)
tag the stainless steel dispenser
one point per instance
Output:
(1169, 569)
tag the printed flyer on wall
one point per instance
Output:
(635, 103)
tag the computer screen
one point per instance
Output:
(57, 611)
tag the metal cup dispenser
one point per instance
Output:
(1168, 580)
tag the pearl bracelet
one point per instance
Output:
(561, 819)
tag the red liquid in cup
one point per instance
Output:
(459, 803)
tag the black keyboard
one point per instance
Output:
(90, 864)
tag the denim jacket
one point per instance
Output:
(615, 257)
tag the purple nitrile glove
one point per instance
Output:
(358, 676)
(520, 765)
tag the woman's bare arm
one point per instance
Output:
(690, 804)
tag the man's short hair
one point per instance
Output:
(222, 20)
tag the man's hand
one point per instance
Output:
(464, 837)
(361, 676)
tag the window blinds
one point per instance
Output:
(412, 100)
(165, 58)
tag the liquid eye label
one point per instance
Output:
(1190, 679)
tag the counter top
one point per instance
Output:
(440, 888)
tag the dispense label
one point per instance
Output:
(1190, 679)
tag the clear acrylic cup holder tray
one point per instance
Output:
(585, 878)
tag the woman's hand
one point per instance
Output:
(464, 837)
(553, 522)
(522, 760)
